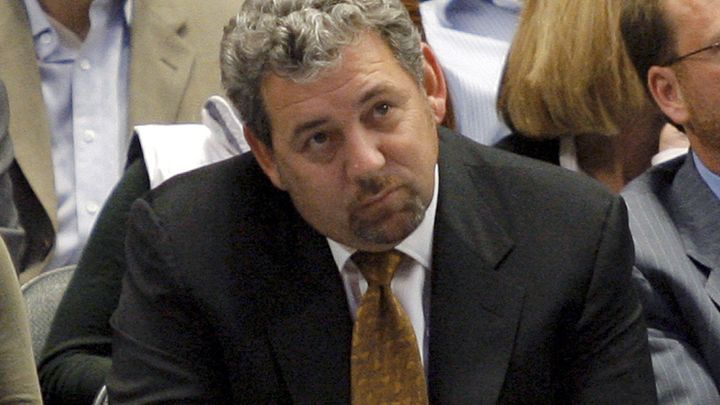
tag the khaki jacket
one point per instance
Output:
(174, 67)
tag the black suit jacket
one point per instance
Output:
(231, 297)
(547, 150)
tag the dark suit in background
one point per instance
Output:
(233, 298)
(547, 150)
(675, 222)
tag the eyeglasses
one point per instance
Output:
(715, 46)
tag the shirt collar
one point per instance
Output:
(46, 38)
(39, 22)
(418, 245)
(568, 154)
(710, 178)
(128, 9)
(515, 5)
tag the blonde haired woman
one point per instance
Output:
(571, 94)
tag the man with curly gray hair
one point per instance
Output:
(362, 253)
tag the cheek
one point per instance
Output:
(316, 193)
(322, 207)
(419, 150)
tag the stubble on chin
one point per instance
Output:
(706, 126)
(391, 224)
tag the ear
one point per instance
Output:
(264, 156)
(665, 89)
(435, 86)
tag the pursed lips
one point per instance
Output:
(376, 199)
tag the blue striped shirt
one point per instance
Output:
(84, 86)
(471, 39)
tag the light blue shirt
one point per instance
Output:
(471, 39)
(710, 178)
(85, 88)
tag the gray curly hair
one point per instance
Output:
(298, 39)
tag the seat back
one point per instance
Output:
(42, 296)
(102, 397)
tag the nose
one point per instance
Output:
(363, 154)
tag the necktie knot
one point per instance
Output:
(378, 268)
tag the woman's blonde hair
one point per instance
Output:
(568, 72)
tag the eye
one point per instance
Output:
(320, 147)
(382, 109)
(383, 115)
(319, 138)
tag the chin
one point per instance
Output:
(391, 232)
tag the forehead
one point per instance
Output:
(695, 23)
(365, 64)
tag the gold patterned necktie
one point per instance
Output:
(385, 362)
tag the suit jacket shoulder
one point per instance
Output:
(536, 251)
(260, 281)
(673, 217)
(547, 150)
(170, 79)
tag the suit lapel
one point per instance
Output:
(29, 128)
(161, 62)
(311, 327)
(696, 211)
(474, 308)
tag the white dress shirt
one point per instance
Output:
(568, 154)
(409, 284)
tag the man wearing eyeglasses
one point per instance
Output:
(675, 207)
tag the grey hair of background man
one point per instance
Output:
(299, 39)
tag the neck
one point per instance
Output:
(708, 150)
(616, 160)
(74, 14)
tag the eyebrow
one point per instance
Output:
(310, 125)
(376, 90)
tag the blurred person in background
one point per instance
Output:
(76, 357)
(80, 74)
(674, 208)
(571, 95)
(471, 40)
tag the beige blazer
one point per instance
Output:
(174, 67)
(18, 378)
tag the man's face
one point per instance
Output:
(357, 147)
(696, 24)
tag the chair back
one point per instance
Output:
(42, 296)
(102, 397)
